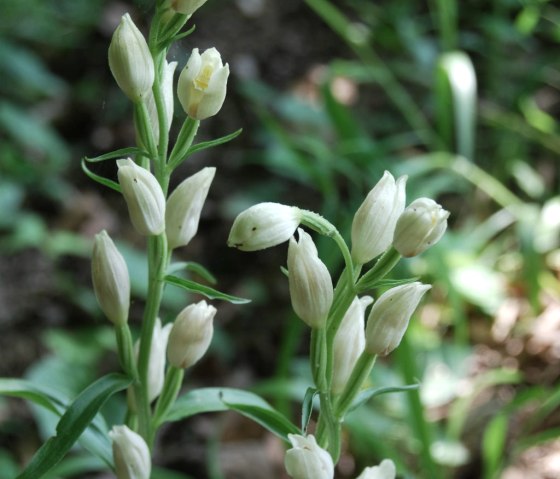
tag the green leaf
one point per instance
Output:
(39, 395)
(307, 407)
(210, 293)
(73, 423)
(224, 399)
(367, 394)
(196, 268)
(122, 153)
(493, 445)
(210, 144)
(391, 283)
(100, 179)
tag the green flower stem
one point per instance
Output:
(157, 265)
(171, 388)
(318, 353)
(184, 142)
(384, 265)
(126, 350)
(144, 128)
(359, 374)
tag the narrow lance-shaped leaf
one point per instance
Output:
(122, 153)
(307, 407)
(196, 268)
(210, 293)
(211, 143)
(100, 179)
(366, 395)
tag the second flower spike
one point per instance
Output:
(311, 288)
(203, 84)
(144, 198)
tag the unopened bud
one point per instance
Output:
(389, 317)
(186, 7)
(184, 206)
(306, 460)
(385, 470)
(374, 222)
(420, 226)
(349, 342)
(111, 282)
(168, 101)
(144, 198)
(191, 335)
(130, 453)
(130, 60)
(311, 288)
(264, 225)
(202, 84)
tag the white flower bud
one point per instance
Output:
(311, 288)
(186, 7)
(263, 226)
(144, 198)
(374, 222)
(349, 342)
(156, 364)
(184, 206)
(130, 453)
(385, 470)
(306, 460)
(111, 282)
(168, 103)
(191, 335)
(389, 317)
(202, 84)
(130, 60)
(420, 226)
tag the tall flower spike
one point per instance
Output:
(144, 198)
(191, 335)
(130, 60)
(264, 225)
(203, 84)
(311, 288)
(306, 460)
(385, 470)
(130, 453)
(374, 222)
(111, 282)
(420, 226)
(186, 7)
(349, 342)
(184, 206)
(389, 317)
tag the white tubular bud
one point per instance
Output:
(374, 222)
(191, 335)
(349, 342)
(130, 60)
(385, 470)
(389, 317)
(184, 206)
(203, 84)
(111, 281)
(311, 288)
(186, 7)
(130, 453)
(144, 198)
(306, 460)
(420, 226)
(168, 103)
(264, 225)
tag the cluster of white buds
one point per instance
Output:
(130, 453)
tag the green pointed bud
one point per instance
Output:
(374, 222)
(144, 198)
(130, 453)
(420, 226)
(311, 288)
(349, 342)
(130, 60)
(168, 102)
(264, 225)
(385, 470)
(306, 460)
(184, 205)
(202, 84)
(389, 317)
(111, 282)
(191, 335)
(186, 7)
